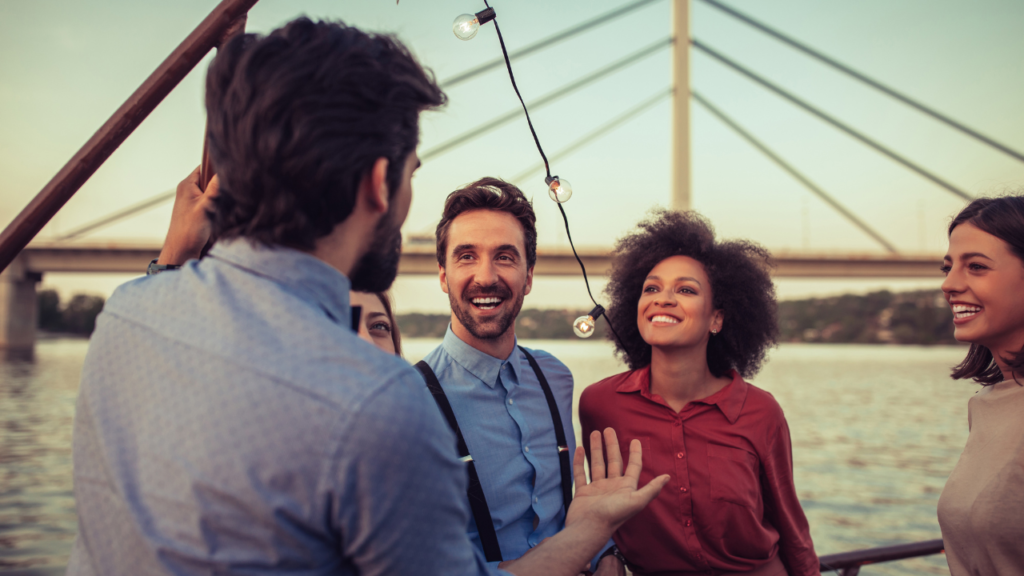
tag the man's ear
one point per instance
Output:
(529, 281)
(373, 188)
(443, 277)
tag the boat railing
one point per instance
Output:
(849, 563)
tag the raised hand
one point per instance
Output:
(190, 227)
(611, 497)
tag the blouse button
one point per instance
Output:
(683, 489)
(680, 454)
(688, 523)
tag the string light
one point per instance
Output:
(559, 190)
(584, 325)
(467, 25)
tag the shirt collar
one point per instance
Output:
(302, 274)
(729, 399)
(483, 366)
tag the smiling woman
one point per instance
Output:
(981, 511)
(696, 316)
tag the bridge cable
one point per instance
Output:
(865, 79)
(836, 123)
(107, 220)
(546, 99)
(794, 172)
(545, 42)
(597, 132)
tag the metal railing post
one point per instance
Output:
(121, 124)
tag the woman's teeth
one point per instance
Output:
(964, 311)
(665, 319)
(486, 303)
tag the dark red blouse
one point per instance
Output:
(731, 504)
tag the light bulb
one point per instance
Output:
(466, 26)
(584, 326)
(559, 190)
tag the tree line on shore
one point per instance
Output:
(920, 317)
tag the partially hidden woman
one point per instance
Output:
(377, 320)
(696, 317)
(981, 510)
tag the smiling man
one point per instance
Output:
(510, 406)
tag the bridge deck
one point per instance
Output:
(419, 259)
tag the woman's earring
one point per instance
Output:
(713, 332)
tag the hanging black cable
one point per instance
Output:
(547, 169)
(546, 42)
(794, 172)
(108, 220)
(548, 98)
(597, 132)
(865, 79)
(893, 155)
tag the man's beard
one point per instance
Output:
(377, 269)
(490, 328)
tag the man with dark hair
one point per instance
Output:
(229, 419)
(511, 406)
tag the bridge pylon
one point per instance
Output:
(19, 309)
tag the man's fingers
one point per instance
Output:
(596, 457)
(190, 185)
(579, 469)
(650, 491)
(614, 456)
(213, 187)
(636, 460)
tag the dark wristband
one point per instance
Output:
(155, 268)
(613, 551)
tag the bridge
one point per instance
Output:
(24, 262)
(19, 309)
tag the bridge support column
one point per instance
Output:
(19, 310)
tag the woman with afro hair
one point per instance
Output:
(696, 317)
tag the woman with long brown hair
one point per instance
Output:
(981, 510)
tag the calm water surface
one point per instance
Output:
(876, 431)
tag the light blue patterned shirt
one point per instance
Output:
(229, 421)
(505, 419)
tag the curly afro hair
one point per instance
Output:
(740, 284)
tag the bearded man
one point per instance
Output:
(510, 406)
(229, 419)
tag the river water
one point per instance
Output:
(876, 430)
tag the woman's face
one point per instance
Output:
(985, 288)
(675, 308)
(375, 325)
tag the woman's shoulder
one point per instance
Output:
(605, 388)
(761, 402)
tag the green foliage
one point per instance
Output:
(77, 317)
(921, 317)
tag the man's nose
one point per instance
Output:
(486, 273)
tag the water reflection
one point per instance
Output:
(875, 430)
(37, 509)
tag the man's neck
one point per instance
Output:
(500, 347)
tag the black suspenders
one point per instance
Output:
(477, 501)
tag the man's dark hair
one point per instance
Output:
(298, 117)
(1004, 219)
(741, 288)
(489, 194)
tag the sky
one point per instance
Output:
(66, 65)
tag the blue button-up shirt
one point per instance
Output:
(505, 419)
(230, 421)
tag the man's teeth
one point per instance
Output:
(666, 319)
(964, 311)
(486, 303)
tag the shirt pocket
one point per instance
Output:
(734, 475)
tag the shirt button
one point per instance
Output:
(527, 448)
(535, 500)
(688, 523)
(683, 489)
(510, 401)
(680, 454)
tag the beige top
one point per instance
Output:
(981, 510)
